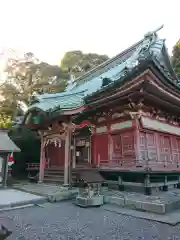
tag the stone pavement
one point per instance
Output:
(171, 218)
(11, 198)
(51, 192)
(65, 221)
(161, 203)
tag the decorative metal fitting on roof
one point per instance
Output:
(153, 33)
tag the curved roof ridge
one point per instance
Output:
(58, 95)
(111, 60)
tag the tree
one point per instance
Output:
(176, 58)
(27, 76)
(78, 63)
(5, 121)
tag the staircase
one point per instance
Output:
(56, 175)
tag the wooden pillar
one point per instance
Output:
(158, 147)
(42, 162)
(137, 141)
(110, 145)
(74, 152)
(165, 187)
(120, 184)
(147, 185)
(70, 159)
(178, 184)
(67, 157)
(90, 149)
(93, 145)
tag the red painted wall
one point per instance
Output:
(163, 150)
(99, 149)
(153, 149)
(116, 148)
(123, 147)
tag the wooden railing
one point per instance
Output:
(33, 166)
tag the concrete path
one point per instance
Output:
(52, 192)
(10, 198)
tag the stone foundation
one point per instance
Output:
(94, 201)
(160, 204)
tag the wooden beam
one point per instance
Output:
(42, 161)
(67, 157)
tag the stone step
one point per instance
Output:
(54, 171)
(59, 180)
(57, 173)
(53, 176)
(57, 176)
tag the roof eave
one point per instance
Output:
(133, 73)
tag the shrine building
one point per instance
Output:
(122, 118)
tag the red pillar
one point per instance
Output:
(42, 162)
(93, 146)
(110, 151)
(137, 141)
(67, 157)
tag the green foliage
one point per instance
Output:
(78, 63)
(5, 121)
(176, 58)
(29, 143)
(27, 76)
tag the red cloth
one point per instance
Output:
(11, 159)
(83, 124)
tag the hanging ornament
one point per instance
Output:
(11, 160)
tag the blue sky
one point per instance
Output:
(49, 28)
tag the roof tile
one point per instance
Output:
(6, 144)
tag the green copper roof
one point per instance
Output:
(114, 69)
(59, 101)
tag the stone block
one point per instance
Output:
(104, 189)
(62, 195)
(174, 205)
(114, 200)
(165, 188)
(133, 204)
(148, 191)
(159, 208)
(121, 187)
(90, 202)
(171, 206)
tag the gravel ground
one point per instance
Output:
(67, 221)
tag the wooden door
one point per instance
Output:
(151, 147)
(165, 149)
(175, 147)
(143, 147)
(128, 150)
(178, 151)
(101, 147)
(55, 155)
(116, 149)
(148, 149)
